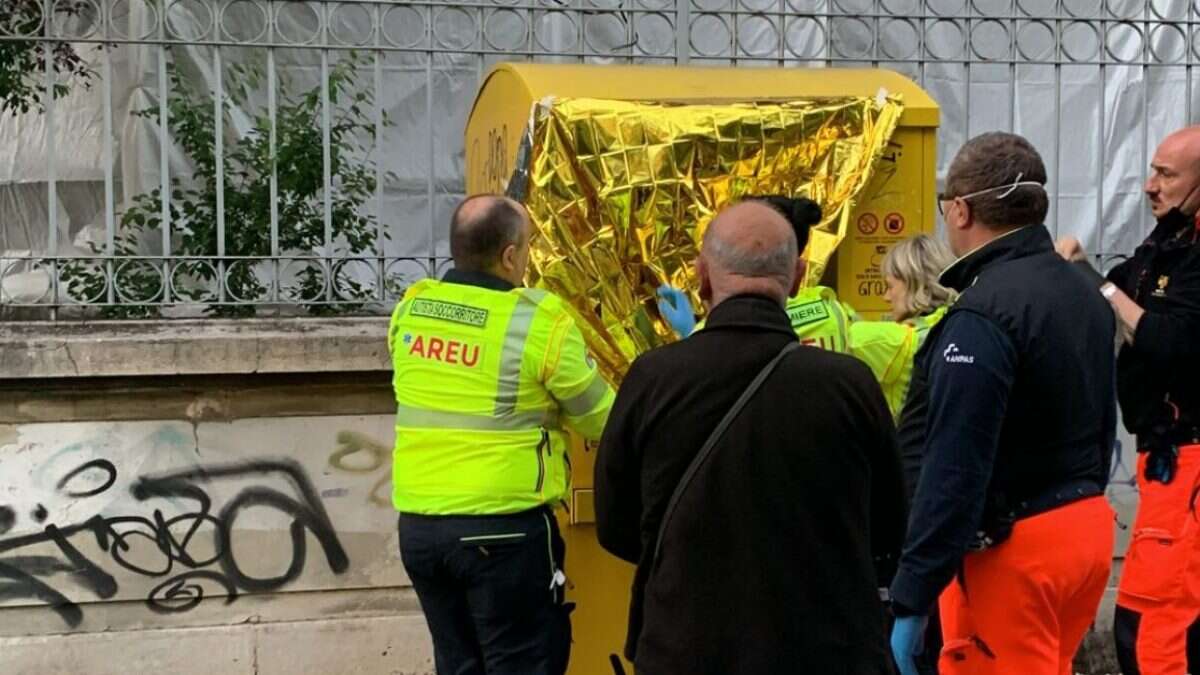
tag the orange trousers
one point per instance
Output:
(1159, 595)
(1023, 607)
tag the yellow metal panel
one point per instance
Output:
(509, 91)
(897, 204)
(494, 130)
(599, 586)
(710, 85)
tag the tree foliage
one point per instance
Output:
(246, 167)
(23, 62)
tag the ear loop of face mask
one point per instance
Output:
(1008, 188)
(1179, 206)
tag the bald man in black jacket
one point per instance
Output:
(766, 562)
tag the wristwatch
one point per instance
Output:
(1108, 290)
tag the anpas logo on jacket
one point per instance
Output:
(952, 355)
(435, 348)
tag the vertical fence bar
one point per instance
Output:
(1013, 66)
(164, 156)
(922, 44)
(876, 36)
(327, 168)
(381, 232)
(272, 149)
(1057, 123)
(828, 33)
(781, 31)
(1189, 50)
(735, 42)
(429, 183)
(51, 154)
(683, 42)
(110, 205)
(967, 64)
(1146, 70)
(219, 161)
(1103, 148)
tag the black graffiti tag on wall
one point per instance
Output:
(188, 551)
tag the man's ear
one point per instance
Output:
(801, 267)
(508, 258)
(968, 214)
(702, 273)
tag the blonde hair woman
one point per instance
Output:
(918, 302)
(912, 268)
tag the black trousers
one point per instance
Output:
(491, 591)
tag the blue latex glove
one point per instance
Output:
(908, 640)
(674, 306)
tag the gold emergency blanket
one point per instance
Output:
(620, 194)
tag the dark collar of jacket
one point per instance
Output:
(480, 279)
(1020, 243)
(750, 311)
(1167, 237)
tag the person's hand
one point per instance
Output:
(1070, 249)
(1161, 464)
(675, 307)
(908, 641)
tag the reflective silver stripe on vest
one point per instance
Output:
(508, 383)
(420, 418)
(583, 402)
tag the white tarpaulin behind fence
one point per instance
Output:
(1095, 84)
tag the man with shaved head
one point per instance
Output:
(752, 480)
(1156, 297)
(486, 375)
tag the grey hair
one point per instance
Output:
(737, 258)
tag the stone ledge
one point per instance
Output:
(30, 350)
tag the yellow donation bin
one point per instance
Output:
(619, 202)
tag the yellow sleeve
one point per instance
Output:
(888, 349)
(573, 379)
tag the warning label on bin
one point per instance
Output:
(893, 223)
(868, 223)
(861, 280)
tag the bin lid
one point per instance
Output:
(702, 84)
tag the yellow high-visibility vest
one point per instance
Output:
(820, 319)
(889, 348)
(486, 384)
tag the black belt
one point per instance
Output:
(1071, 491)
(998, 527)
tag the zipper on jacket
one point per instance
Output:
(542, 445)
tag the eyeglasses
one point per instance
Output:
(942, 198)
(1008, 188)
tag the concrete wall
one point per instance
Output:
(235, 521)
(209, 497)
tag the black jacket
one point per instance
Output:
(1162, 364)
(766, 565)
(1016, 388)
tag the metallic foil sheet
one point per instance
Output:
(620, 194)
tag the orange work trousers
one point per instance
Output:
(1023, 607)
(1159, 595)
